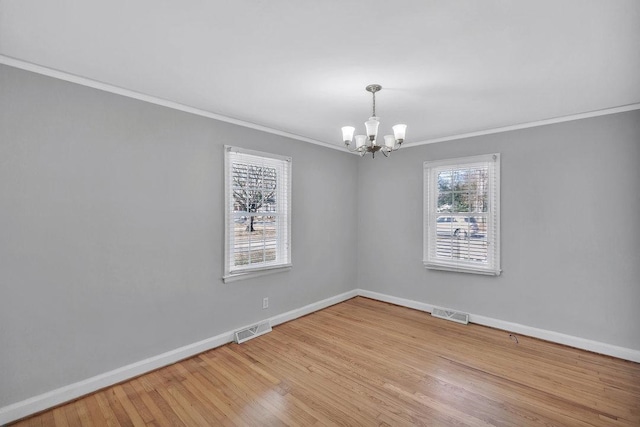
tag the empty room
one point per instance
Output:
(264, 213)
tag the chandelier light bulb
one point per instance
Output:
(360, 141)
(372, 128)
(399, 132)
(347, 133)
(389, 141)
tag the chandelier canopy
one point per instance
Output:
(367, 143)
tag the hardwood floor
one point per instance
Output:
(364, 362)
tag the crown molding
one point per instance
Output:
(72, 78)
(50, 72)
(596, 113)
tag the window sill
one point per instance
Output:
(443, 267)
(233, 277)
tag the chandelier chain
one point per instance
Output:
(374, 104)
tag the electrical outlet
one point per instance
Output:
(265, 302)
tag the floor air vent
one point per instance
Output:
(454, 316)
(252, 331)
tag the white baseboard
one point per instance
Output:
(307, 309)
(559, 338)
(395, 300)
(556, 337)
(73, 391)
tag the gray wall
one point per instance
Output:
(111, 232)
(570, 229)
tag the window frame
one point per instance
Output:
(430, 215)
(283, 240)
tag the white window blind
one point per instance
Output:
(462, 214)
(257, 212)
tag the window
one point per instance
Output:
(462, 214)
(257, 213)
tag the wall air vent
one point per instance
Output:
(252, 331)
(454, 316)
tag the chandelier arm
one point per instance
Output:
(355, 150)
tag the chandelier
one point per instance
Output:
(367, 143)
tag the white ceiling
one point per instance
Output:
(447, 67)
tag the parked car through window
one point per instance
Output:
(457, 226)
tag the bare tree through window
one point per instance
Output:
(253, 187)
(257, 213)
(255, 204)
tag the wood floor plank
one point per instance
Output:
(198, 386)
(94, 411)
(135, 415)
(60, 416)
(164, 408)
(364, 362)
(107, 412)
(83, 415)
(265, 393)
(159, 418)
(146, 416)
